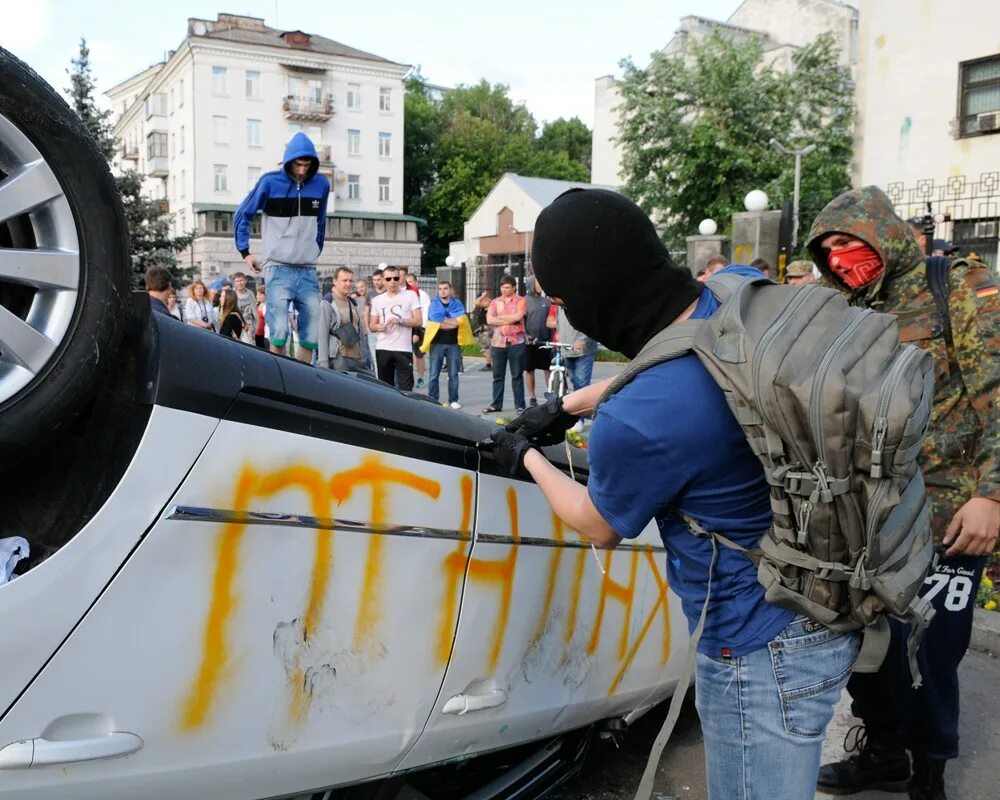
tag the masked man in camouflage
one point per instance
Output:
(868, 252)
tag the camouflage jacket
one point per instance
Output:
(961, 454)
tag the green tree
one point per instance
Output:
(569, 136)
(149, 223)
(81, 93)
(462, 145)
(695, 132)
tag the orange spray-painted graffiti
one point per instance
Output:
(500, 574)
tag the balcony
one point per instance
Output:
(307, 109)
(130, 152)
(157, 167)
(324, 151)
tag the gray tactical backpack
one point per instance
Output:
(836, 410)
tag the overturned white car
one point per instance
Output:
(250, 578)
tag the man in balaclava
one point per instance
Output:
(872, 255)
(667, 448)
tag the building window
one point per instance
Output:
(385, 145)
(173, 145)
(384, 195)
(180, 93)
(219, 221)
(385, 99)
(979, 104)
(182, 139)
(156, 105)
(354, 96)
(171, 101)
(220, 130)
(219, 81)
(253, 85)
(253, 133)
(253, 175)
(220, 178)
(353, 187)
(353, 143)
(183, 222)
(156, 145)
(183, 182)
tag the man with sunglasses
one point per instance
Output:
(394, 315)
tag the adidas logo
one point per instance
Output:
(315, 203)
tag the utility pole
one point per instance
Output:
(798, 173)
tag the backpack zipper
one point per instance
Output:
(777, 327)
(815, 396)
(881, 426)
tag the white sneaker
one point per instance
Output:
(456, 406)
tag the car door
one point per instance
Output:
(552, 634)
(284, 626)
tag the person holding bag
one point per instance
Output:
(342, 327)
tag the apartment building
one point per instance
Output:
(205, 123)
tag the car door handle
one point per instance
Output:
(464, 703)
(40, 752)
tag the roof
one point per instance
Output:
(544, 190)
(272, 37)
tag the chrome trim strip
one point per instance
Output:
(534, 541)
(220, 516)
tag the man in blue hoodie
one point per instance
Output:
(293, 200)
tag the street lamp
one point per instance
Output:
(756, 203)
(798, 172)
(707, 227)
(449, 261)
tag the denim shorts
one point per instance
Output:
(299, 286)
(764, 715)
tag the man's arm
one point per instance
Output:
(491, 318)
(248, 209)
(570, 501)
(448, 323)
(974, 305)
(321, 219)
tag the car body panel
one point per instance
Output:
(552, 640)
(292, 609)
(40, 608)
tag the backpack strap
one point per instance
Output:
(938, 281)
(671, 342)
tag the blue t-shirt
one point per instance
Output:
(667, 441)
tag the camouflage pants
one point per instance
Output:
(483, 337)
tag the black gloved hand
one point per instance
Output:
(545, 424)
(508, 450)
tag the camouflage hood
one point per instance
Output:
(868, 215)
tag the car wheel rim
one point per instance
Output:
(40, 269)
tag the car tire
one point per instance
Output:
(64, 261)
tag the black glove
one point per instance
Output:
(545, 424)
(508, 451)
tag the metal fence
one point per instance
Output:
(971, 210)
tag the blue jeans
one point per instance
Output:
(764, 715)
(297, 285)
(439, 352)
(580, 370)
(501, 356)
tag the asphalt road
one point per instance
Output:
(475, 387)
(612, 773)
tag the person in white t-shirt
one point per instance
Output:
(198, 309)
(394, 314)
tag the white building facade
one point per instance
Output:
(929, 114)
(205, 124)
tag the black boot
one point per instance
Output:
(879, 764)
(927, 782)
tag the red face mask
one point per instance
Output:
(857, 265)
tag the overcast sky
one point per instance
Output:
(548, 51)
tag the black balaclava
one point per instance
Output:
(599, 253)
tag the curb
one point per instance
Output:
(986, 632)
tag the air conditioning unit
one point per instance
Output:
(989, 121)
(213, 269)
